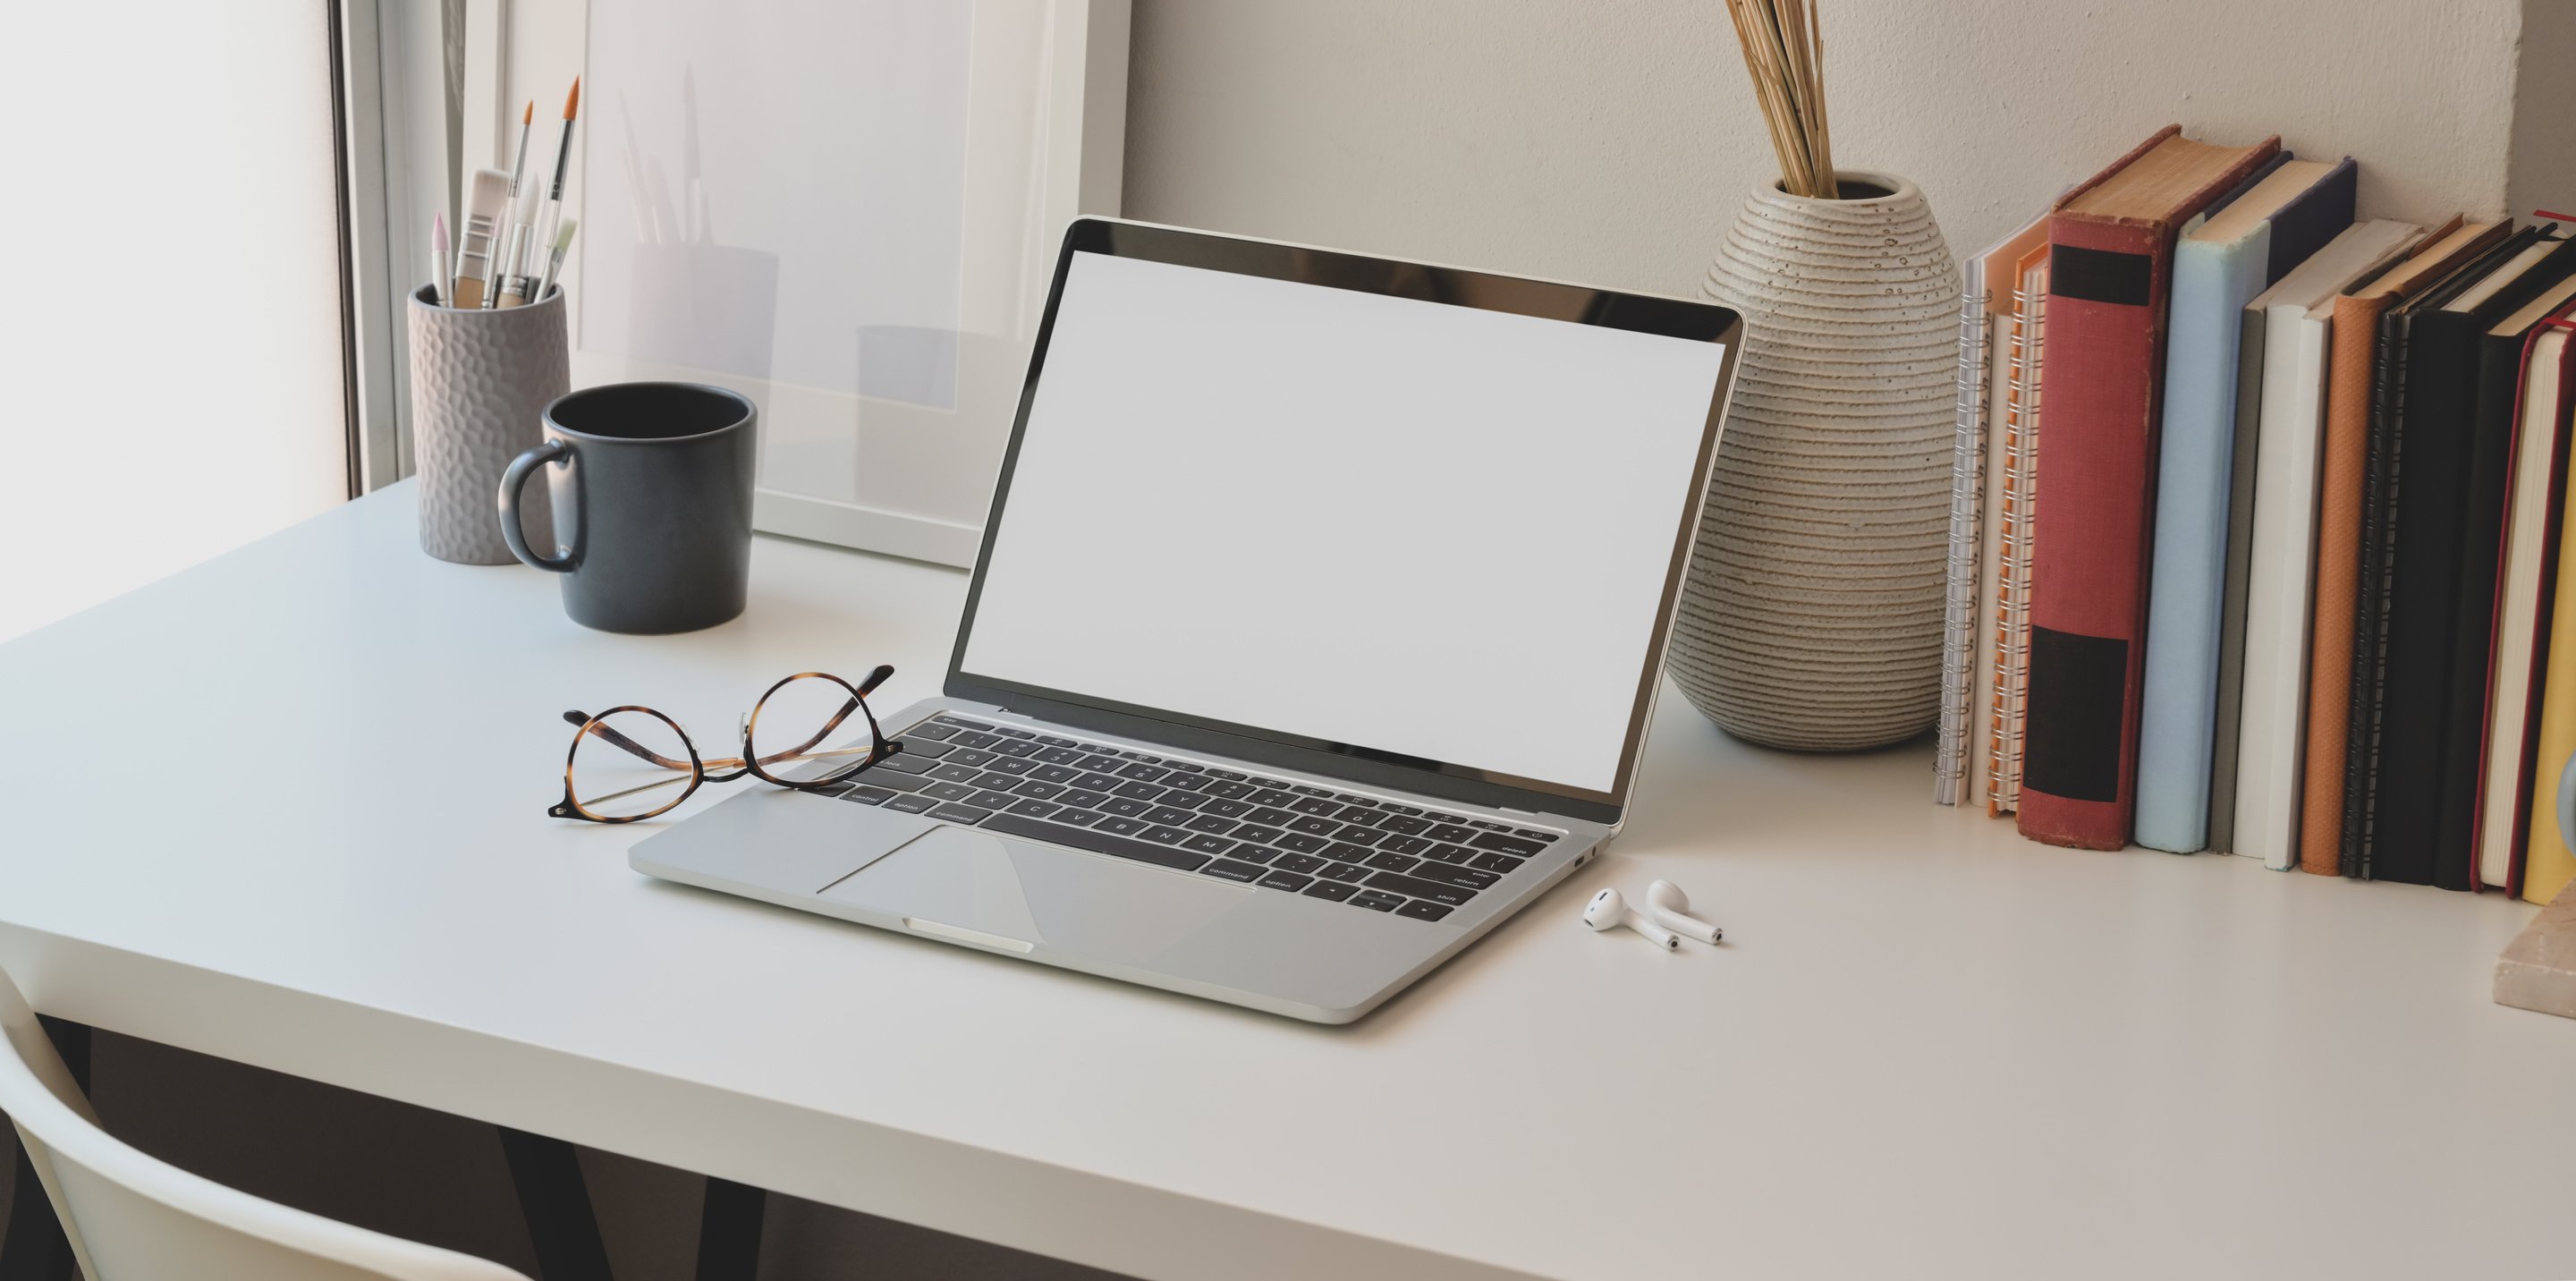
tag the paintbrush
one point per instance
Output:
(442, 265)
(563, 163)
(475, 251)
(563, 241)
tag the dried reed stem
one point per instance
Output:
(1784, 51)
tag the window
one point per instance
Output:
(174, 354)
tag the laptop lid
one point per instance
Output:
(1408, 525)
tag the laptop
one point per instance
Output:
(1316, 629)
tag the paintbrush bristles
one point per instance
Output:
(572, 100)
(529, 116)
(1784, 47)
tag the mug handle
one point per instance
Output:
(516, 479)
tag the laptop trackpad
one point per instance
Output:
(993, 891)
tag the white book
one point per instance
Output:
(2005, 396)
(2520, 587)
(2298, 316)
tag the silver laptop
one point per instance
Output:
(1316, 630)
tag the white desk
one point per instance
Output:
(288, 808)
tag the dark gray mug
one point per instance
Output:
(651, 484)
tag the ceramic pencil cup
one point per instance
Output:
(480, 384)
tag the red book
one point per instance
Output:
(2110, 260)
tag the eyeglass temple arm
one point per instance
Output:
(615, 739)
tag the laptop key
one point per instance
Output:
(1301, 842)
(903, 764)
(1230, 791)
(1188, 782)
(1541, 837)
(869, 795)
(1227, 774)
(1314, 825)
(1096, 781)
(1054, 774)
(895, 782)
(1401, 823)
(991, 800)
(1231, 809)
(1346, 852)
(967, 814)
(1422, 911)
(1017, 747)
(1490, 827)
(1164, 835)
(1000, 782)
(1119, 825)
(1015, 733)
(1449, 853)
(1376, 901)
(910, 804)
(1495, 862)
(1139, 791)
(1266, 814)
(1165, 814)
(931, 729)
(1211, 824)
(1123, 805)
(1416, 887)
(1096, 840)
(961, 722)
(948, 791)
(1404, 844)
(1006, 765)
(1359, 814)
(1343, 872)
(1035, 809)
(1316, 805)
(1141, 772)
(1087, 800)
(1231, 870)
(1464, 877)
(1298, 862)
(974, 756)
(1270, 796)
(1303, 790)
(946, 773)
(1331, 890)
(1185, 767)
(975, 738)
(1400, 809)
(1205, 844)
(916, 747)
(1358, 835)
(1052, 741)
(1393, 862)
(1042, 791)
(1447, 832)
(1257, 832)
(1290, 881)
(1097, 761)
(1506, 844)
(1180, 800)
(1259, 854)
(1079, 818)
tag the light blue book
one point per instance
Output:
(2221, 262)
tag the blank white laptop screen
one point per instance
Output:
(1400, 525)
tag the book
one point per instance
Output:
(2110, 260)
(1967, 504)
(2547, 865)
(2233, 253)
(2013, 521)
(2289, 369)
(2000, 315)
(1987, 305)
(2341, 475)
(2520, 649)
(2414, 510)
(2493, 425)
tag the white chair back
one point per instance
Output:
(131, 1217)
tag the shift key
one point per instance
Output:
(1416, 887)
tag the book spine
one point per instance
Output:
(2343, 476)
(2107, 288)
(2246, 427)
(2015, 522)
(2554, 596)
(2274, 725)
(2376, 559)
(2493, 426)
(1967, 500)
(2187, 580)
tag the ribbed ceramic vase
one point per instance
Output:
(1812, 615)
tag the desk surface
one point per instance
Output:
(288, 808)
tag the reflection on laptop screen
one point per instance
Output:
(1401, 525)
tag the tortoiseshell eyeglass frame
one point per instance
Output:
(728, 768)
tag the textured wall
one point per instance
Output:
(1608, 140)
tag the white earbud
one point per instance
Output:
(1670, 908)
(1608, 911)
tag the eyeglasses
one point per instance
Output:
(630, 763)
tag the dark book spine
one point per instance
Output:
(2230, 710)
(2369, 637)
(2493, 427)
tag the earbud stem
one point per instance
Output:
(1688, 926)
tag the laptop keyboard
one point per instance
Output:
(1378, 855)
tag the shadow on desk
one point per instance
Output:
(442, 1179)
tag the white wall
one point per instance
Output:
(1610, 140)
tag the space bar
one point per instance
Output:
(1097, 842)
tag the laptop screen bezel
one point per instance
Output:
(1643, 313)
